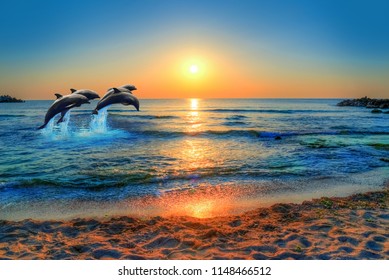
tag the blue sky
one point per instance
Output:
(347, 36)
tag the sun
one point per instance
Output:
(193, 69)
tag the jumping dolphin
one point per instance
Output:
(128, 87)
(90, 94)
(124, 88)
(117, 97)
(64, 103)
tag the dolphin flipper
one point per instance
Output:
(70, 106)
(63, 113)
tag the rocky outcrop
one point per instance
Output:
(366, 102)
(9, 99)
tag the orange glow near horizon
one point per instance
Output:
(200, 73)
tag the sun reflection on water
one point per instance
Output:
(193, 117)
(194, 103)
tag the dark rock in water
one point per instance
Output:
(384, 159)
(278, 138)
(9, 99)
(384, 106)
(376, 111)
(366, 102)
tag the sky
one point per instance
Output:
(241, 48)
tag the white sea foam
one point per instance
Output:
(64, 125)
(98, 122)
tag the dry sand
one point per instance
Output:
(355, 227)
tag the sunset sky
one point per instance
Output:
(238, 48)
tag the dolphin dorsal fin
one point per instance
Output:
(58, 95)
(115, 90)
(73, 90)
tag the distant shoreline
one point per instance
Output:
(365, 102)
(10, 99)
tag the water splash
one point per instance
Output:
(57, 131)
(48, 130)
(98, 122)
(64, 125)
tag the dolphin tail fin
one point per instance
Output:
(42, 126)
(95, 112)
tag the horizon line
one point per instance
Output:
(202, 98)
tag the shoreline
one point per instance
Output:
(353, 227)
(202, 201)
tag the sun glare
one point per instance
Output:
(194, 103)
(193, 69)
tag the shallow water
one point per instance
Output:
(124, 157)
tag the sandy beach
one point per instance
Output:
(354, 227)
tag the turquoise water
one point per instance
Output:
(175, 145)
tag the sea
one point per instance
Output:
(196, 157)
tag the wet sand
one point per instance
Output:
(354, 227)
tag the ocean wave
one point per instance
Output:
(96, 181)
(12, 115)
(275, 111)
(380, 146)
(147, 117)
(161, 133)
(235, 123)
(4, 185)
(236, 117)
(255, 133)
(322, 143)
(120, 113)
